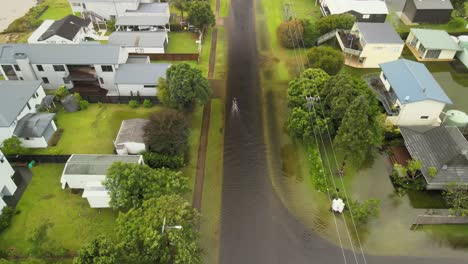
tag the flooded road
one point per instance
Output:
(256, 227)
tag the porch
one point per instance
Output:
(387, 98)
(419, 55)
(85, 88)
(81, 73)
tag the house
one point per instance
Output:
(410, 94)
(68, 30)
(443, 148)
(432, 45)
(87, 172)
(363, 10)
(130, 139)
(7, 185)
(137, 79)
(367, 45)
(140, 41)
(19, 116)
(428, 11)
(103, 9)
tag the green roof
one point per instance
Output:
(435, 39)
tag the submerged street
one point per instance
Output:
(256, 227)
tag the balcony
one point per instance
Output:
(88, 88)
(350, 43)
(387, 98)
(81, 74)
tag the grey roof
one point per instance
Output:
(444, 148)
(61, 54)
(138, 39)
(155, 8)
(33, 125)
(13, 98)
(412, 82)
(142, 20)
(66, 27)
(138, 59)
(84, 164)
(379, 33)
(131, 130)
(432, 4)
(141, 73)
(47, 101)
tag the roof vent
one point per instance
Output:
(444, 167)
(407, 98)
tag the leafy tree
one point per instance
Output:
(301, 124)
(290, 33)
(413, 167)
(200, 15)
(157, 160)
(326, 58)
(143, 241)
(185, 86)
(110, 24)
(12, 146)
(100, 250)
(332, 22)
(181, 5)
(457, 197)
(362, 212)
(307, 84)
(311, 33)
(130, 184)
(62, 92)
(167, 133)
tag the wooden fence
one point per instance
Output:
(169, 56)
(118, 99)
(38, 158)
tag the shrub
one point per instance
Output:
(77, 97)
(456, 22)
(61, 92)
(29, 21)
(290, 33)
(176, 27)
(133, 103)
(157, 160)
(5, 217)
(84, 104)
(110, 25)
(12, 146)
(147, 103)
(362, 212)
(326, 58)
(332, 22)
(310, 33)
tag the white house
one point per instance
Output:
(140, 79)
(363, 10)
(7, 185)
(19, 117)
(412, 96)
(140, 41)
(87, 172)
(68, 30)
(432, 45)
(130, 139)
(367, 45)
(108, 9)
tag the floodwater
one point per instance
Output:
(12, 9)
(269, 212)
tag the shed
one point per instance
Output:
(130, 139)
(428, 11)
(432, 44)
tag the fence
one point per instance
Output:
(38, 158)
(118, 99)
(169, 56)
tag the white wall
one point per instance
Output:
(447, 54)
(80, 181)
(105, 9)
(98, 201)
(125, 89)
(145, 50)
(132, 148)
(107, 77)
(6, 172)
(34, 142)
(410, 114)
(6, 132)
(380, 53)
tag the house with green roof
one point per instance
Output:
(432, 45)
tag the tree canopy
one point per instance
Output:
(457, 197)
(309, 83)
(143, 241)
(130, 184)
(181, 5)
(328, 23)
(303, 124)
(184, 87)
(290, 33)
(201, 15)
(100, 250)
(362, 212)
(326, 58)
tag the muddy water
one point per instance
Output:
(256, 226)
(12, 9)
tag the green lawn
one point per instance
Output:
(221, 52)
(204, 59)
(182, 42)
(401, 27)
(57, 9)
(211, 200)
(73, 221)
(224, 7)
(2, 77)
(194, 140)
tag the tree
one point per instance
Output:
(142, 239)
(332, 22)
(311, 33)
(362, 212)
(12, 146)
(457, 197)
(432, 171)
(290, 33)
(62, 92)
(167, 133)
(326, 58)
(200, 15)
(413, 167)
(301, 124)
(130, 184)
(184, 88)
(100, 250)
(181, 5)
(307, 84)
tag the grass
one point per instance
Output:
(182, 42)
(221, 52)
(204, 59)
(224, 7)
(194, 140)
(2, 77)
(401, 27)
(73, 221)
(454, 235)
(212, 189)
(58, 9)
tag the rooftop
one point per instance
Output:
(360, 6)
(139, 20)
(379, 33)
(138, 39)
(435, 39)
(90, 164)
(131, 130)
(154, 8)
(412, 82)
(432, 4)
(13, 99)
(141, 73)
(66, 27)
(33, 125)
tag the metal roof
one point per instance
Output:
(13, 98)
(138, 39)
(142, 20)
(132, 130)
(360, 6)
(154, 8)
(61, 54)
(435, 39)
(412, 82)
(33, 125)
(141, 73)
(66, 27)
(432, 4)
(379, 33)
(444, 148)
(87, 164)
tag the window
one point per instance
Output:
(101, 80)
(21, 78)
(40, 68)
(112, 17)
(107, 68)
(17, 68)
(34, 95)
(433, 54)
(149, 86)
(66, 81)
(365, 16)
(59, 68)
(424, 117)
(28, 105)
(45, 80)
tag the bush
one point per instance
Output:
(5, 217)
(290, 33)
(77, 97)
(157, 160)
(110, 25)
(61, 92)
(84, 104)
(456, 22)
(147, 103)
(332, 22)
(29, 21)
(310, 33)
(133, 103)
(12, 146)
(362, 212)
(326, 58)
